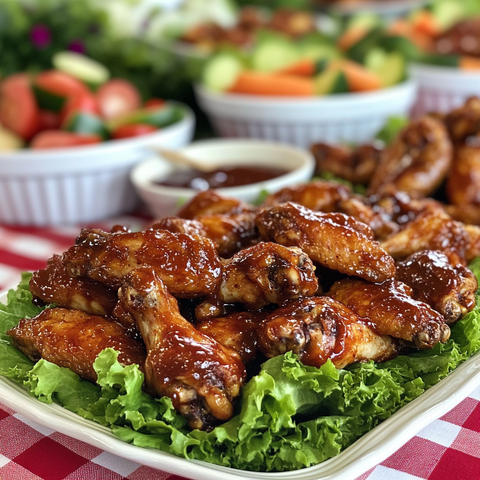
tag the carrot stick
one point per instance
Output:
(259, 83)
(468, 62)
(351, 36)
(425, 22)
(305, 67)
(359, 79)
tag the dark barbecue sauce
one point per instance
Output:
(221, 178)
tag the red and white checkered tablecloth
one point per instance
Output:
(447, 449)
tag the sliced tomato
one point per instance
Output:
(116, 97)
(60, 139)
(18, 109)
(133, 130)
(60, 83)
(154, 103)
(15, 79)
(84, 102)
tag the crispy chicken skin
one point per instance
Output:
(237, 331)
(440, 280)
(201, 376)
(417, 160)
(319, 195)
(390, 310)
(55, 285)
(231, 232)
(431, 230)
(321, 328)
(188, 264)
(353, 164)
(210, 202)
(267, 273)
(73, 339)
(334, 240)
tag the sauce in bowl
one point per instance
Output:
(234, 176)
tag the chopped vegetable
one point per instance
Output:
(60, 139)
(117, 97)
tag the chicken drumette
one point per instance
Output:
(201, 376)
(321, 328)
(390, 310)
(441, 280)
(73, 339)
(267, 273)
(334, 240)
(188, 264)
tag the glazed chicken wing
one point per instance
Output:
(463, 182)
(209, 202)
(431, 230)
(319, 195)
(333, 240)
(267, 273)
(417, 160)
(353, 164)
(440, 280)
(463, 123)
(201, 376)
(73, 339)
(321, 328)
(188, 264)
(237, 331)
(55, 285)
(390, 310)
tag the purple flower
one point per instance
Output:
(76, 45)
(40, 36)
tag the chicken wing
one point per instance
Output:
(73, 339)
(431, 230)
(209, 202)
(353, 164)
(463, 182)
(390, 310)
(416, 162)
(55, 285)
(334, 240)
(188, 264)
(267, 273)
(440, 280)
(201, 376)
(237, 331)
(321, 328)
(319, 195)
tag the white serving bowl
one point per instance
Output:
(165, 200)
(441, 89)
(79, 184)
(350, 117)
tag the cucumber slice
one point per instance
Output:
(86, 123)
(47, 100)
(398, 43)
(359, 50)
(220, 72)
(81, 67)
(391, 67)
(160, 117)
(331, 81)
(272, 55)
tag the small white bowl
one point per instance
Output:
(441, 89)
(164, 201)
(79, 184)
(350, 117)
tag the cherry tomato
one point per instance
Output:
(18, 109)
(60, 83)
(13, 80)
(85, 102)
(133, 130)
(154, 103)
(116, 97)
(61, 139)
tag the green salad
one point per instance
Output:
(290, 416)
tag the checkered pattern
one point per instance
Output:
(447, 449)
